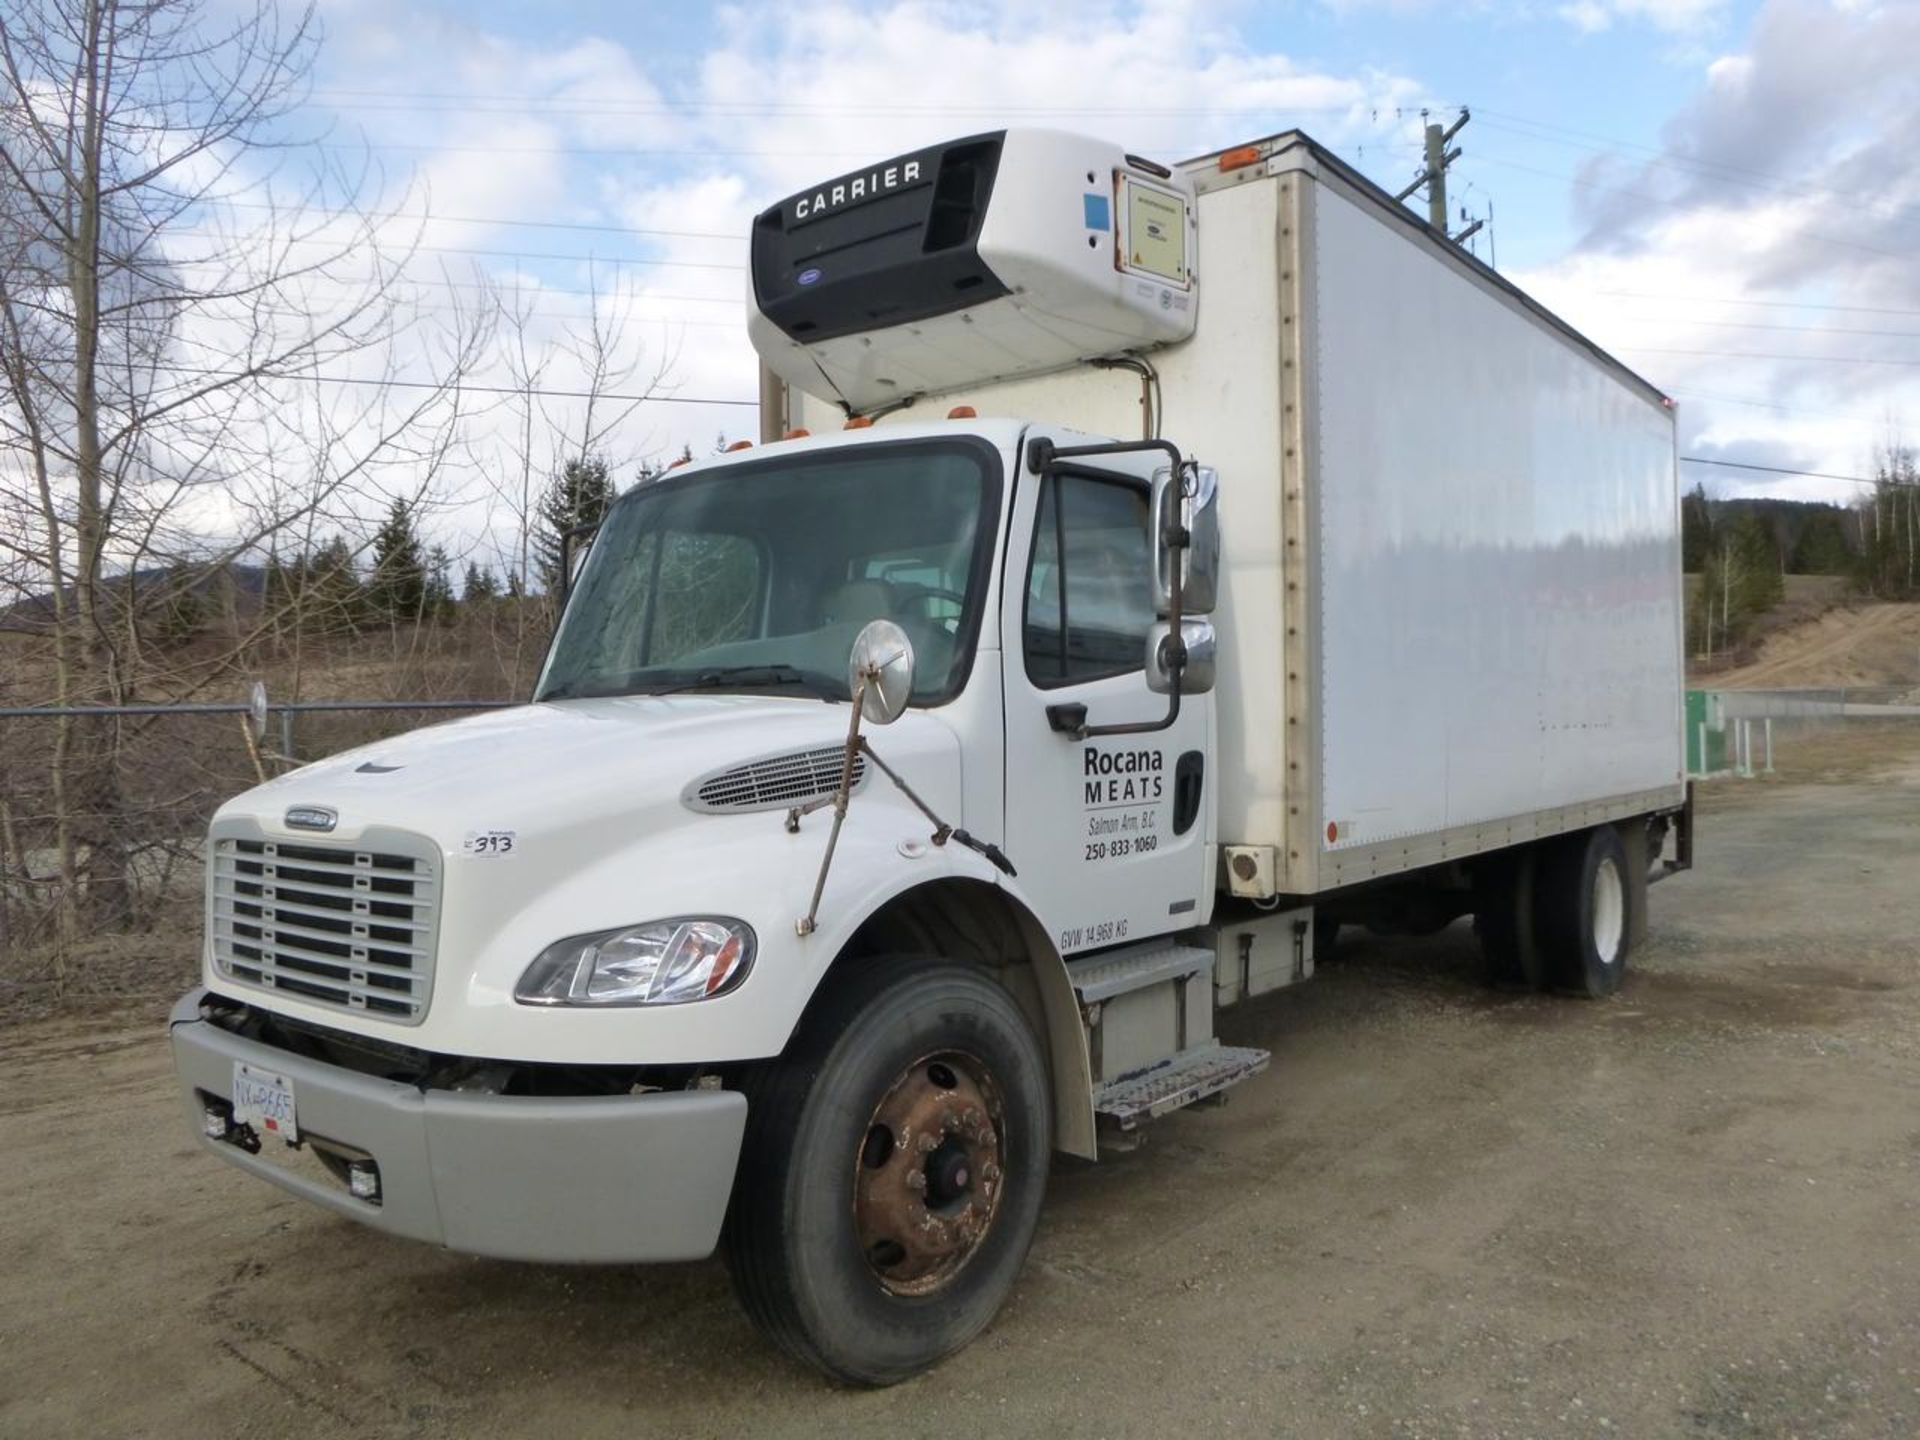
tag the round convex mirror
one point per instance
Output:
(883, 658)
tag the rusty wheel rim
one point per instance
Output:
(928, 1176)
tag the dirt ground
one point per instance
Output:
(1691, 1210)
(1866, 645)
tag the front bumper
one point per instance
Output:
(590, 1179)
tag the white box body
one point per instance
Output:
(1450, 615)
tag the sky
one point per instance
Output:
(1722, 192)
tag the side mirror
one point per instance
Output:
(880, 671)
(257, 709)
(1192, 505)
(574, 545)
(1202, 646)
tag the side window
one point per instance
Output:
(1089, 583)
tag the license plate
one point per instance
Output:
(264, 1100)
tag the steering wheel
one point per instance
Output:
(921, 595)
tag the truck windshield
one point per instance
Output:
(758, 577)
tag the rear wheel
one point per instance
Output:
(893, 1170)
(1326, 936)
(1581, 911)
(1503, 919)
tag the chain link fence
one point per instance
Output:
(1732, 732)
(168, 768)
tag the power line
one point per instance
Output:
(574, 257)
(461, 387)
(736, 237)
(604, 152)
(1763, 355)
(495, 102)
(1779, 470)
(561, 255)
(1669, 203)
(1768, 405)
(1769, 304)
(1791, 329)
(1697, 169)
(506, 288)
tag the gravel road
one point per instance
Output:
(1691, 1210)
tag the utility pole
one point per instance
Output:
(1434, 176)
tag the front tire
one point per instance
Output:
(894, 1165)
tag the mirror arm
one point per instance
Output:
(942, 831)
(808, 922)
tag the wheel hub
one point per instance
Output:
(928, 1178)
(1609, 911)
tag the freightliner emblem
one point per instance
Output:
(311, 817)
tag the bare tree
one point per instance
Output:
(573, 394)
(196, 350)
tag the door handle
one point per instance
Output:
(1068, 719)
(1189, 784)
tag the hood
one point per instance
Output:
(569, 762)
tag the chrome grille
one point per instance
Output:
(776, 782)
(334, 924)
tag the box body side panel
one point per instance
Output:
(1498, 578)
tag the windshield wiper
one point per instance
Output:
(720, 676)
(581, 689)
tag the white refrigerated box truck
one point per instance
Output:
(1183, 562)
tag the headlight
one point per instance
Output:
(662, 963)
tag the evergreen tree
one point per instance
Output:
(276, 584)
(331, 601)
(1822, 548)
(397, 589)
(438, 601)
(578, 495)
(1696, 530)
(479, 587)
(1762, 582)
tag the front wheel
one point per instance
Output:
(891, 1178)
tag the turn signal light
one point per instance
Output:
(739, 445)
(1239, 157)
(963, 412)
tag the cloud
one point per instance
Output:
(1687, 18)
(632, 175)
(1675, 17)
(1758, 263)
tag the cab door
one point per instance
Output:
(1111, 834)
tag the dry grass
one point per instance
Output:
(1838, 754)
(173, 772)
(103, 974)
